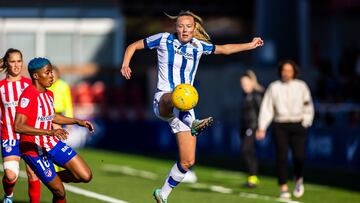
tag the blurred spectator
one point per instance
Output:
(84, 100)
(250, 107)
(288, 103)
(62, 95)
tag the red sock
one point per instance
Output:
(34, 190)
(8, 186)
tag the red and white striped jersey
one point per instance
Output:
(10, 94)
(39, 109)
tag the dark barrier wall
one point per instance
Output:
(326, 146)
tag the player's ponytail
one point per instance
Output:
(199, 33)
(1, 64)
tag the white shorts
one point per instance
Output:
(177, 125)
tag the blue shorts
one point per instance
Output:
(43, 165)
(10, 148)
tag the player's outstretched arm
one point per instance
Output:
(129, 52)
(228, 49)
(86, 124)
(63, 120)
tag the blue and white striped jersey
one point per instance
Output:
(177, 63)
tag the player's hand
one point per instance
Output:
(86, 124)
(60, 133)
(256, 42)
(260, 134)
(126, 72)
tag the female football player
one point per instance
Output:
(40, 144)
(178, 59)
(11, 87)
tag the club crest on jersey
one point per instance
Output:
(8, 149)
(48, 172)
(24, 102)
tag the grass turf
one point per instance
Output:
(121, 176)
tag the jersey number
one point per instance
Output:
(11, 143)
(44, 163)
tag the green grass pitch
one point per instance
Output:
(132, 178)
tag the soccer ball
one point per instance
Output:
(184, 97)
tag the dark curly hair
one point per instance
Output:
(292, 63)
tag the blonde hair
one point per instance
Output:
(251, 74)
(199, 33)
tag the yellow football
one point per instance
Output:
(184, 97)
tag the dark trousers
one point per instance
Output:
(293, 136)
(248, 150)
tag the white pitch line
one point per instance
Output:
(220, 189)
(91, 194)
(264, 197)
(127, 170)
(81, 191)
(224, 190)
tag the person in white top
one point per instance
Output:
(178, 59)
(288, 104)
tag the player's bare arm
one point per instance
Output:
(130, 50)
(228, 49)
(63, 120)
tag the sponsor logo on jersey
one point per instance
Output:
(188, 56)
(11, 104)
(45, 118)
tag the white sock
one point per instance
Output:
(176, 175)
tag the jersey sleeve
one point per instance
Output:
(26, 104)
(208, 48)
(153, 41)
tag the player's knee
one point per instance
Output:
(166, 99)
(59, 193)
(11, 169)
(10, 176)
(86, 177)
